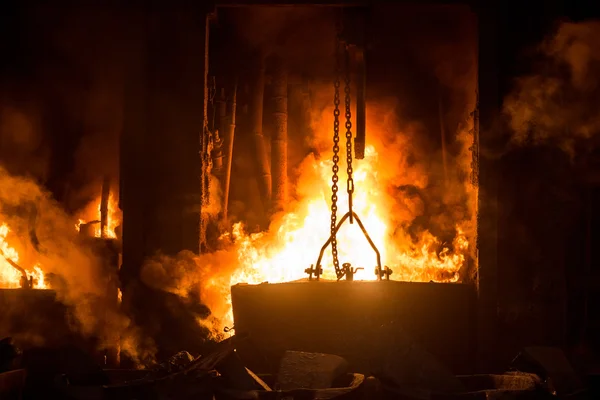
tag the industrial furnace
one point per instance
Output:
(383, 200)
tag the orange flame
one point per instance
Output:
(301, 234)
(295, 237)
(10, 277)
(381, 199)
(92, 213)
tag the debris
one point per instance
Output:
(176, 363)
(180, 377)
(216, 353)
(259, 381)
(300, 370)
(398, 360)
(350, 387)
(551, 364)
(237, 376)
(484, 387)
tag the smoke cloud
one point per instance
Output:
(552, 106)
(22, 147)
(44, 234)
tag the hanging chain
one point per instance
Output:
(349, 170)
(336, 158)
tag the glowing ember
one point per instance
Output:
(92, 213)
(10, 277)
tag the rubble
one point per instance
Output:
(401, 369)
(551, 364)
(236, 376)
(484, 387)
(301, 375)
(176, 363)
(300, 370)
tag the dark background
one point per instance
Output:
(547, 223)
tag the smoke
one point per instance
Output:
(199, 279)
(22, 148)
(421, 195)
(80, 78)
(284, 30)
(395, 180)
(552, 105)
(429, 205)
(46, 235)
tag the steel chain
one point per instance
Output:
(349, 170)
(336, 159)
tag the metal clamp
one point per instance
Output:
(316, 270)
(383, 273)
(349, 271)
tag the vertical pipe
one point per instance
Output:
(361, 104)
(220, 134)
(203, 139)
(264, 173)
(104, 206)
(229, 141)
(279, 141)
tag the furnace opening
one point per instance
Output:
(270, 106)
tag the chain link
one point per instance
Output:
(336, 159)
(340, 272)
(349, 170)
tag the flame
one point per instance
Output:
(10, 277)
(92, 212)
(387, 210)
(294, 240)
(301, 234)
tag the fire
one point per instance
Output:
(395, 184)
(10, 277)
(301, 234)
(296, 236)
(92, 214)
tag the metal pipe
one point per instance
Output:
(361, 104)
(258, 92)
(279, 140)
(229, 141)
(220, 134)
(24, 279)
(104, 206)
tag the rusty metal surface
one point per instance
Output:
(279, 139)
(351, 389)
(339, 318)
(301, 370)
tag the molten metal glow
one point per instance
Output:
(92, 213)
(10, 277)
